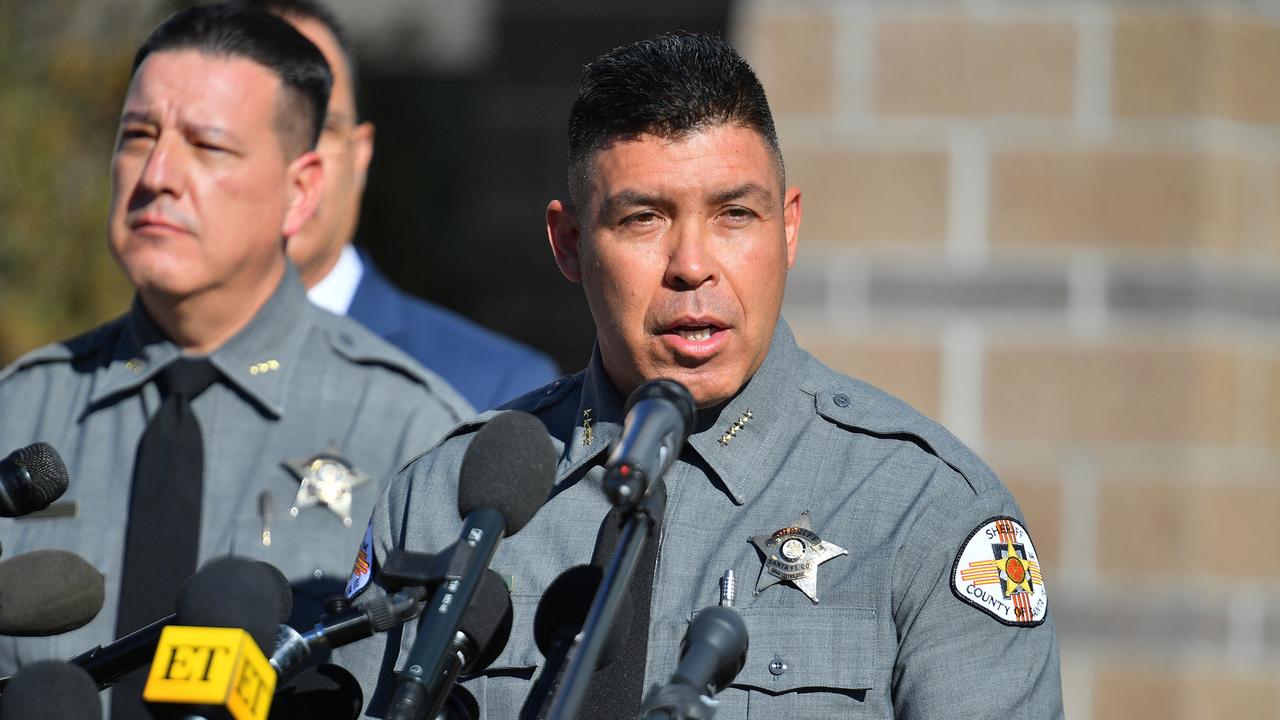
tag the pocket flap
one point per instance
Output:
(814, 648)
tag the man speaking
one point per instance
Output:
(223, 413)
(885, 570)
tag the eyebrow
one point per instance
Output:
(747, 189)
(140, 116)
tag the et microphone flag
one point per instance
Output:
(211, 672)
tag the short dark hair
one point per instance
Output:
(314, 10)
(671, 85)
(226, 29)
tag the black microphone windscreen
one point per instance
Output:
(238, 593)
(487, 621)
(51, 690)
(47, 473)
(320, 691)
(509, 466)
(564, 607)
(671, 391)
(47, 592)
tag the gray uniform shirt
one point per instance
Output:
(296, 382)
(889, 638)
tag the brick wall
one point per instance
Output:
(1055, 227)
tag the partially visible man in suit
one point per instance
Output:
(485, 367)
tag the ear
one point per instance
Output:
(562, 231)
(792, 209)
(306, 183)
(362, 151)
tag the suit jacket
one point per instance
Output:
(485, 367)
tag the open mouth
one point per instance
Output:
(694, 333)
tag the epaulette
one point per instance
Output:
(535, 401)
(362, 347)
(80, 346)
(859, 407)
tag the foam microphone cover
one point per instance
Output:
(51, 690)
(47, 592)
(35, 476)
(564, 607)
(238, 593)
(487, 621)
(509, 466)
(320, 691)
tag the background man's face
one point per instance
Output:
(346, 148)
(683, 248)
(200, 183)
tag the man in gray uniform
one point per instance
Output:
(884, 571)
(306, 414)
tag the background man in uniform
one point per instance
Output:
(484, 366)
(223, 413)
(811, 486)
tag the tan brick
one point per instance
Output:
(1216, 693)
(1145, 525)
(1041, 501)
(953, 65)
(1116, 199)
(857, 197)
(1127, 688)
(1127, 691)
(793, 53)
(1109, 394)
(1235, 534)
(906, 370)
(1185, 64)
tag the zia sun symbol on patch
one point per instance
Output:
(998, 572)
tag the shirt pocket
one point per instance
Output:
(814, 662)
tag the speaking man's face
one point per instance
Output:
(202, 191)
(682, 247)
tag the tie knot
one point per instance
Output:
(187, 377)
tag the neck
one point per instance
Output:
(203, 322)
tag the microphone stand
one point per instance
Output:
(640, 519)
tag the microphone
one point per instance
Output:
(506, 475)
(47, 592)
(321, 691)
(712, 653)
(556, 624)
(380, 614)
(106, 664)
(30, 479)
(660, 416)
(50, 690)
(211, 664)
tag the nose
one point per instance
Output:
(692, 260)
(162, 172)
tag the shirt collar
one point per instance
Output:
(336, 290)
(735, 440)
(257, 360)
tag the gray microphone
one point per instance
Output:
(712, 653)
(47, 592)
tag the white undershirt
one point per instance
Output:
(335, 291)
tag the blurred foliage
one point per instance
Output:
(64, 69)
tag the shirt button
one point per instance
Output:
(840, 399)
(777, 666)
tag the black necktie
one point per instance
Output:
(617, 689)
(163, 536)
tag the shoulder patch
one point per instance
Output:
(997, 571)
(362, 571)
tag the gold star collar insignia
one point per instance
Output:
(325, 479)
(793, 554)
